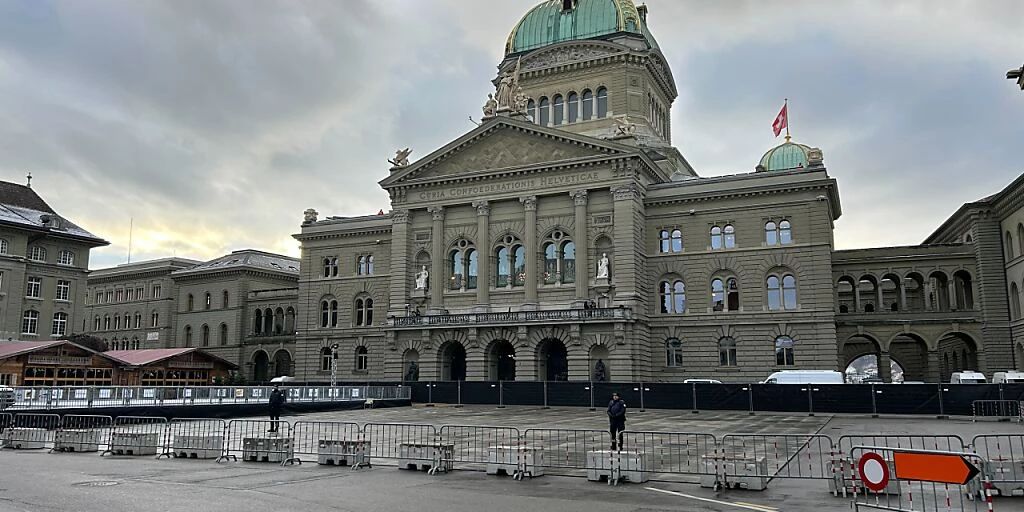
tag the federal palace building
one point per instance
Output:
(566, 238)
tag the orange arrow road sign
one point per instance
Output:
(933, 467)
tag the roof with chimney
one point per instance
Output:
(21, 207)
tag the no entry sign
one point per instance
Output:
(874, 471)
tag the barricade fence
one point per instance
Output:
(675, 456)
(895, 494)
(260, 441)
(330, 442)
(136, 436)
(1001, 409)
(195, 438)
(82, 433)
(1003, 456)
(48, 398)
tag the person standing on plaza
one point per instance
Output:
(276, 404)
(616, 420)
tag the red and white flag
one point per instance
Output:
(781, 120)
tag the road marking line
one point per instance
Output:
(748, 506)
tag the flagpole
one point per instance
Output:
(787, 119)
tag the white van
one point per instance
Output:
(1008, 378)
(805, 377)
(967, 377)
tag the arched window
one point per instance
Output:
(568, 262)
(206, 335)
(784, 351)
(559, 259)
(191, 302)
(289, 320)
(771, 233)
(673, 296)
(66, 257)
(106, 323)
(574, 107)
(96, 323)
(364, 311)
(327, 267)
(1009, 246)
(774, 293)
(363, 266)
(557, 110)
(328, 313)
(463, 268)
(326, 357)
(671, 240)
(677, 240)
(224, 299)
(37, 253)
(138, 320)
(602, 103)
(208, 303)
(154, 319)
(785, 232)
(716, 238)
(725, 295)
(545, 111)
(268, 321)
(531, 109)
(510, 263)
(665, 241)
(135, 343)
(727, 351)
(789, 292)
(369, 265)
(330, 266)
(1014, 301)
(673, 353)
(257, 327)
(278, 321)
(587, 105)
(550, 263)
(362, 359)
(730, 236)
(188, 335)
(223, 334)
(1020, 237)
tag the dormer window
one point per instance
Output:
(567, 5)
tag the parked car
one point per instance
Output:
(805, 377)
(967, 377)
(1008, 378)
(6, 398)
(701, 381)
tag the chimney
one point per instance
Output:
(642, 10)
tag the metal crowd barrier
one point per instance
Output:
(330, 443)
(137, 435)
(6, 420)
(82, 433)
(260, 441)
(571, 452)
(675, 456)
(477, 448)
(920, 496)
(195, 438)
(30, 431)
(406, 445)
(1003, 456)
(1001, 409)
(777, 456)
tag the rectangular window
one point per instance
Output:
(156, 291)
(35, 287)
(140, 293)
(63, 290)
(119, 295)
(30, 322)
(66, 258)
(6, 379)
(117, 322)
(154, 319)
(110, 296)
(60, 324)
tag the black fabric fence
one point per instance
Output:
(925, 399)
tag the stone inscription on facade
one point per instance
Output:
(512, 186)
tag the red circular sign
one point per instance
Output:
(874, 471)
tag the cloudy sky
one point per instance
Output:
(214, 124)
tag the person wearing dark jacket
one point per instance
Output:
(616, 420)
(276, 404)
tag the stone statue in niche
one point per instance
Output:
(421, 278)
(600, 372)
(602, 266)
(413, 373)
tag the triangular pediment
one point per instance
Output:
(504, 144)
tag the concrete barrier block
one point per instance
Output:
(134, 443)
(340, 452)
(633, 466)
(599, 465)
(198, 446)
(426, 456)
(510, 459)
(22, 438)
(266, 449)
(76, 440)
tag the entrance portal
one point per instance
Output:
(552, 360)
(452, 361)
(501, 361)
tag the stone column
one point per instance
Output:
(530, 248)
(885, 367)
(437, 259)
(878, 305)
(928, 295)
(399, 280)
(483, 254)
(856, 298)
(951, 293)
(623, 270)
(934, 370)
(582, 246)
(903, 297)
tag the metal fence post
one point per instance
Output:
(750, 398)
(942, 406)
(546, 396)
(874, 403)
(458, 384)
(591, 395)
(430, 393)
(501, 394)
(642, 397)
(693, 389)
(810, 400)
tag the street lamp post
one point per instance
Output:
(1018, 75)
(334, 365)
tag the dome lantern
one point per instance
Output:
(556, 21)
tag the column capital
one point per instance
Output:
(579, 197)
(625, 192)
(529, 202)
(399, 216)
(482, 207)
(436, 212)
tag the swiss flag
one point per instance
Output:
(781, 120)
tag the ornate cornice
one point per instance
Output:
(529, 203)
(436, 213)
(579, 197)
(483, 208)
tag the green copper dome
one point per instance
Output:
(788, 155)
(555, 21)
